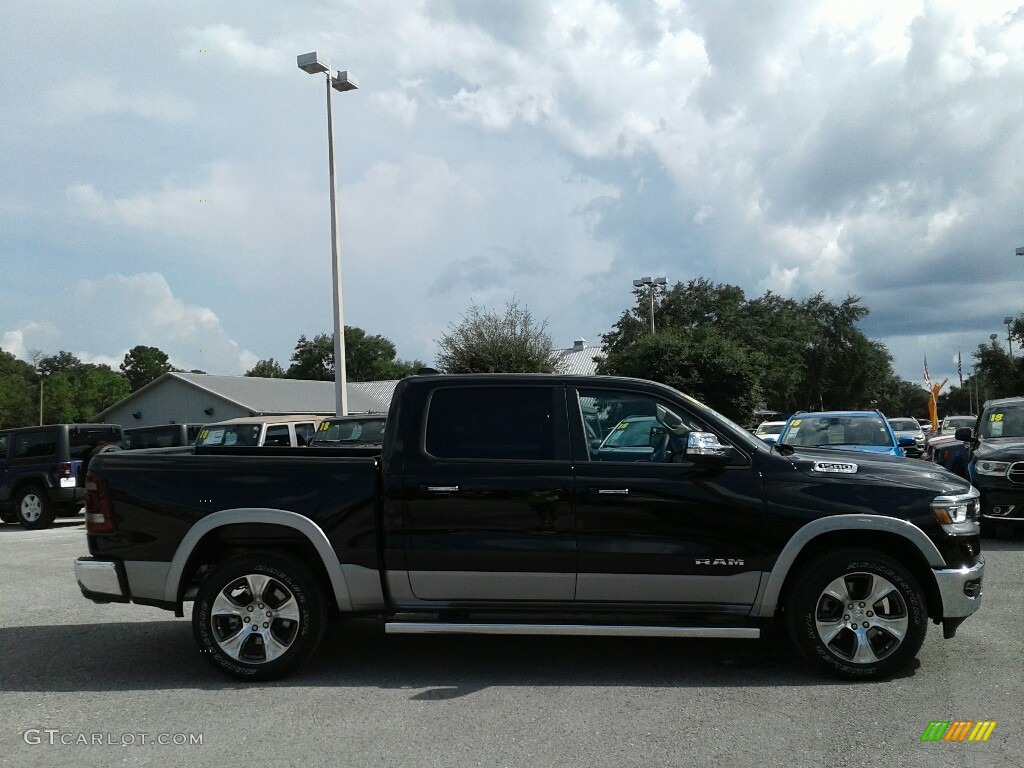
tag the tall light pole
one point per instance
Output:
(342, 81)
(651, 283)
(1008, 321)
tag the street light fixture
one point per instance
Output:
(652, 283)
(1008, 321)
(342, 81)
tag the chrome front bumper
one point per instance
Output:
(960, 589)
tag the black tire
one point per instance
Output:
(235, 621)
(33, 508)
(886, 601)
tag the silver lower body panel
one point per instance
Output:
(584, 630)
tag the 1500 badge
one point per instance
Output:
(719, 561)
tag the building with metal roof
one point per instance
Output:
(189, 398)
(578, 360)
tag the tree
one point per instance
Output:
(367, 358)
(485, 342)
(313, 360)
(144, 364)
(97, 388)
(267, 369)
(806, 354)
(704, 363)
(372, 358)
(19, 395)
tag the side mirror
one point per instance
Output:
(964, 434)
(705, 448)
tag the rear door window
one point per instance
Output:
(35, 444)
(491, 423)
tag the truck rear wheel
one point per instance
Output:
(33, 509)
(857, 614)
(259, 615)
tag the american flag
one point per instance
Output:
(927, 376)
(960, 368)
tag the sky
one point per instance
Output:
(164, 174)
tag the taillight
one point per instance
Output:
(99, 517)
(65, 469)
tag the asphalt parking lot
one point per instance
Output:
(95, 685)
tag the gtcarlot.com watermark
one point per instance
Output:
(55, 736)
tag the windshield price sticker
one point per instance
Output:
(324, 426)
(836, 467)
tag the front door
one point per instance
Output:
(654, 528)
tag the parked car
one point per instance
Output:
(908, 427)
(949, 452)
(261, 431)
(161, 436)
(484, 511)
(43, 469)
(996, 461)
(849, 430)
(350, 430)
(769, 430)
(951, 424)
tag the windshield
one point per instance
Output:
(953, 423)
(1005, 421)
(813, 431)
(230, 434)
(370, 431)
(633, 432)
(905, 425)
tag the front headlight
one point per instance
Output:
(995, 468)
(958, 515)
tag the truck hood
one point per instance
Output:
(877, 468)
(1001, 449)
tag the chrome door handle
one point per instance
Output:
(612, 491)
(442, 489)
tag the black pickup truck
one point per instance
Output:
(536, 504)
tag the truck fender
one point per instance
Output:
(768, 598)
(313, 533)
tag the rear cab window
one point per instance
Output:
(494, 422)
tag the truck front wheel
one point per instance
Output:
(33, 509)
(258, 616)
(857, 614)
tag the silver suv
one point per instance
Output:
(908, 427)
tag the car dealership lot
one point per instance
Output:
(94, 677)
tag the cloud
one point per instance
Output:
(222, 42)
(117, 312)
(83, 98)
(29, 337)
(142, 309)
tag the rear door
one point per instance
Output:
(653, 527)
(487, 514)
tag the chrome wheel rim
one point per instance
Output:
(31, 508)
(861, 617)
(255, 619)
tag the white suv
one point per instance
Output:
(262, 431)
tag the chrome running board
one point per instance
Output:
(586, 630)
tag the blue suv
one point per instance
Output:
(847, 430)
(42, 469)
